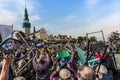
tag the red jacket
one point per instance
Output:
(98, 56)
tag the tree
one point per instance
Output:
(114, 37)
(81, 38)
(93, 39)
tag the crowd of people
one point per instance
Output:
(54, 62)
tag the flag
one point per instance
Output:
(63, 54)
(5, 30)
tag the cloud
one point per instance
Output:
(34, 18)
(70, 18)
(30, 4)
(12, 12)
(92, 2)
(107, 24)
(7, 17)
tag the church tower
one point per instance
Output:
(26, 25)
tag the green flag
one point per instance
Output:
(63, 54)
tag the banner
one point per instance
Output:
(8, 46)
(5, 30)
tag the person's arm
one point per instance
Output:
(72, 70)
(72, 56)
(35, 63)
(5, 68)
(47, 59)
(53, 75)
(52, 59)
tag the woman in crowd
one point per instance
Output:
(68, 73)
(41, 64)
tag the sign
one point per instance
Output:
(5, 30)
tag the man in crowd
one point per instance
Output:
(85, 73)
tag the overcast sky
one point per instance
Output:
(71, 17)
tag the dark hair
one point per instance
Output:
(98, 52)
(42, 62)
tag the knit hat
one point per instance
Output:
(64, 73)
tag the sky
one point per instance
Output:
(67, 17)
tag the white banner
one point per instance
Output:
(5, 30)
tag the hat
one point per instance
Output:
(102, 69)
(19, 78)
(64, 73)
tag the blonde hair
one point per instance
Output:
(64, 73)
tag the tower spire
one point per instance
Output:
(26, 18)
(26, 15)
(26, 25)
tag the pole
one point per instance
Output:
(103, 36)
